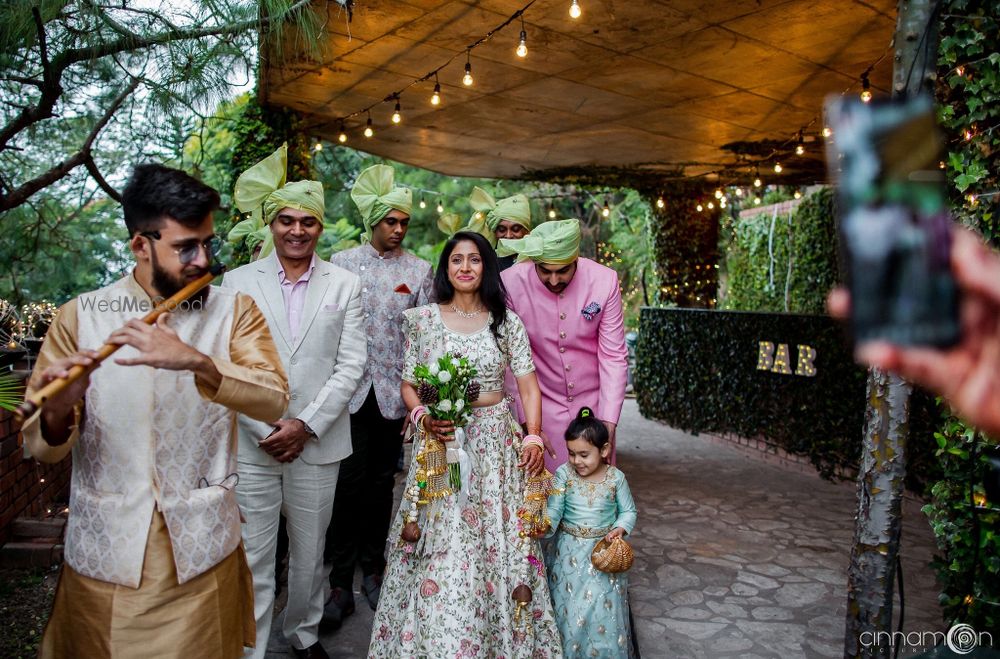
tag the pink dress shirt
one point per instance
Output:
(294, 294)
(579, 362)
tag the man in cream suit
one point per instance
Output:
(313, 308)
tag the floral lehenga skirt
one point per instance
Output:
(449, 593)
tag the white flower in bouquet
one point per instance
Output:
(434, 368)
(444, 405)
(455, 361)
(459, 405)
(443, 376)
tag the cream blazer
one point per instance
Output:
(324, 365)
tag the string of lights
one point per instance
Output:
(468, 80)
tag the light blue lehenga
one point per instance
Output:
(591, 607)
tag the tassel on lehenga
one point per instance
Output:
(430, 483)
(532, 523)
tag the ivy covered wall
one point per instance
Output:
(966, 524)
(784, 261)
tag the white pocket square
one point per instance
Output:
(330, 308)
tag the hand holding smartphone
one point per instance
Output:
(894, 225)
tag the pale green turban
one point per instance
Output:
(449, 224)
(556, 242)
(375, 194)
(262, 192)
(489, 213)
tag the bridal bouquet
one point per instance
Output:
(447, 388)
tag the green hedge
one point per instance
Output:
(697, 370)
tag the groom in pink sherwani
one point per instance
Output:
(572, 309)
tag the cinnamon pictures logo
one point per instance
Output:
(131, 303)
(960, 639)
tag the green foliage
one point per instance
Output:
(685, 248)
(969, 564)
(11, 392)
(63, 249)
(968, 94)
(786, 262)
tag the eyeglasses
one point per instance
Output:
(189, 253)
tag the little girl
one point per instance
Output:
(591, 501)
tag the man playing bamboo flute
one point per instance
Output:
(154, 565)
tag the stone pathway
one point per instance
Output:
(734, 557)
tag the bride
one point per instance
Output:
(449, 594)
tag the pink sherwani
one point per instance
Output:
(579, 362)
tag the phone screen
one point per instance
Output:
(894, 225)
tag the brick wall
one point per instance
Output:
(28, 488)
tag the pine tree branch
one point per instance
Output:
(95, 173)
(52, 71)
(20, 194)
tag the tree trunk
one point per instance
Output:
(878, 524)
(879, 520)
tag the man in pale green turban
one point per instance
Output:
(262, 192)
(290, 468)
(377, 197)
(572, 309)
(392, 281)
(506, 219)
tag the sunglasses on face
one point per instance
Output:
(189, 252)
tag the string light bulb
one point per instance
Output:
(827, 131)
(660, 203)
(700, 208)
(800, 148)
(436, 97)
(756, 201)
(797, 195)
(318, 146)
(342, 137)
(369, 131)
(467, 78)
(552, 213)
(722, 203)
(522, 47)
(440, 208)
(739, 192)
(423, 204)
(866, 89)
(756, 180)
(777, 168)
(574, 10)
(606, 211)
(718, 194)
(397, 115)
(711, 205)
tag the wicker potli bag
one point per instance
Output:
(612, 557)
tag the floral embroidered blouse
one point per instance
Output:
(589, 509)
(427, 338)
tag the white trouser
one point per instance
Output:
(304, 494)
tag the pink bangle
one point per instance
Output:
(417, 413)
(532, 440)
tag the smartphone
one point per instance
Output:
(893, 220)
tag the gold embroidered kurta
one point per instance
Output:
(153, 444)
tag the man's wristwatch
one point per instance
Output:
(309, 431)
